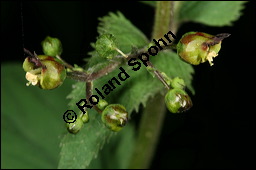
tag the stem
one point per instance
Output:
(149, 131)
(83, 76)
(88, 90)
(124, 55)
(153, 115)
(64, 62)
(158, 74)
(163, 17)
(88, 94)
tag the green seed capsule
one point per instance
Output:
(177, 100)
(114, 116)
(199, 47)
(51, 46)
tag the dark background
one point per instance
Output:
(218, 132)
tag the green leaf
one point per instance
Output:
(116, 152)
(212, 13)
(126, 34)
(150, 3)
(124, 31)
(31, 121)
(77, 151)
(106, 46)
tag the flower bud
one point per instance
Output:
(102, 104)
(106, 46)
(51, 46)
(178, 83)
(52, 75)
(44, 71)
(76, 126)
(199, 47)
(177, 100)
(84, 116)
(114, 116)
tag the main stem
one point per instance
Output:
(154, 113)
(149, 132)
(163, 17)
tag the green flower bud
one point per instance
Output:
(199, 47)
(106, 46)
(114, 116)
(178, 83)
(44, 71)
(52, 75)
(177, 100)
(51, 46)
(102, 104)
(76, 126)
(84, 116)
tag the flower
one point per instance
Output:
(199, 47)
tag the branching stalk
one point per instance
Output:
(83, 76)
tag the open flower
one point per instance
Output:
(44, 71)
(199, 47)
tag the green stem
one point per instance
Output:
(64, 62)
(155, 72)
(163, 15)
(153, 115)
(149, 131)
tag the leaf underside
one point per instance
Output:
(31, 121)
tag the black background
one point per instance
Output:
(218, 132)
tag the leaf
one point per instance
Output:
(126, 34)
(212, 13)
(116, 153)
(150, 3)
(106, 45)
(77, 151)
(31, 119)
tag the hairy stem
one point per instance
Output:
(88, 94)
(153, 115)
(149, 131)
(64, 62)
(83, 76)
(163, 15)
(151, 68)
